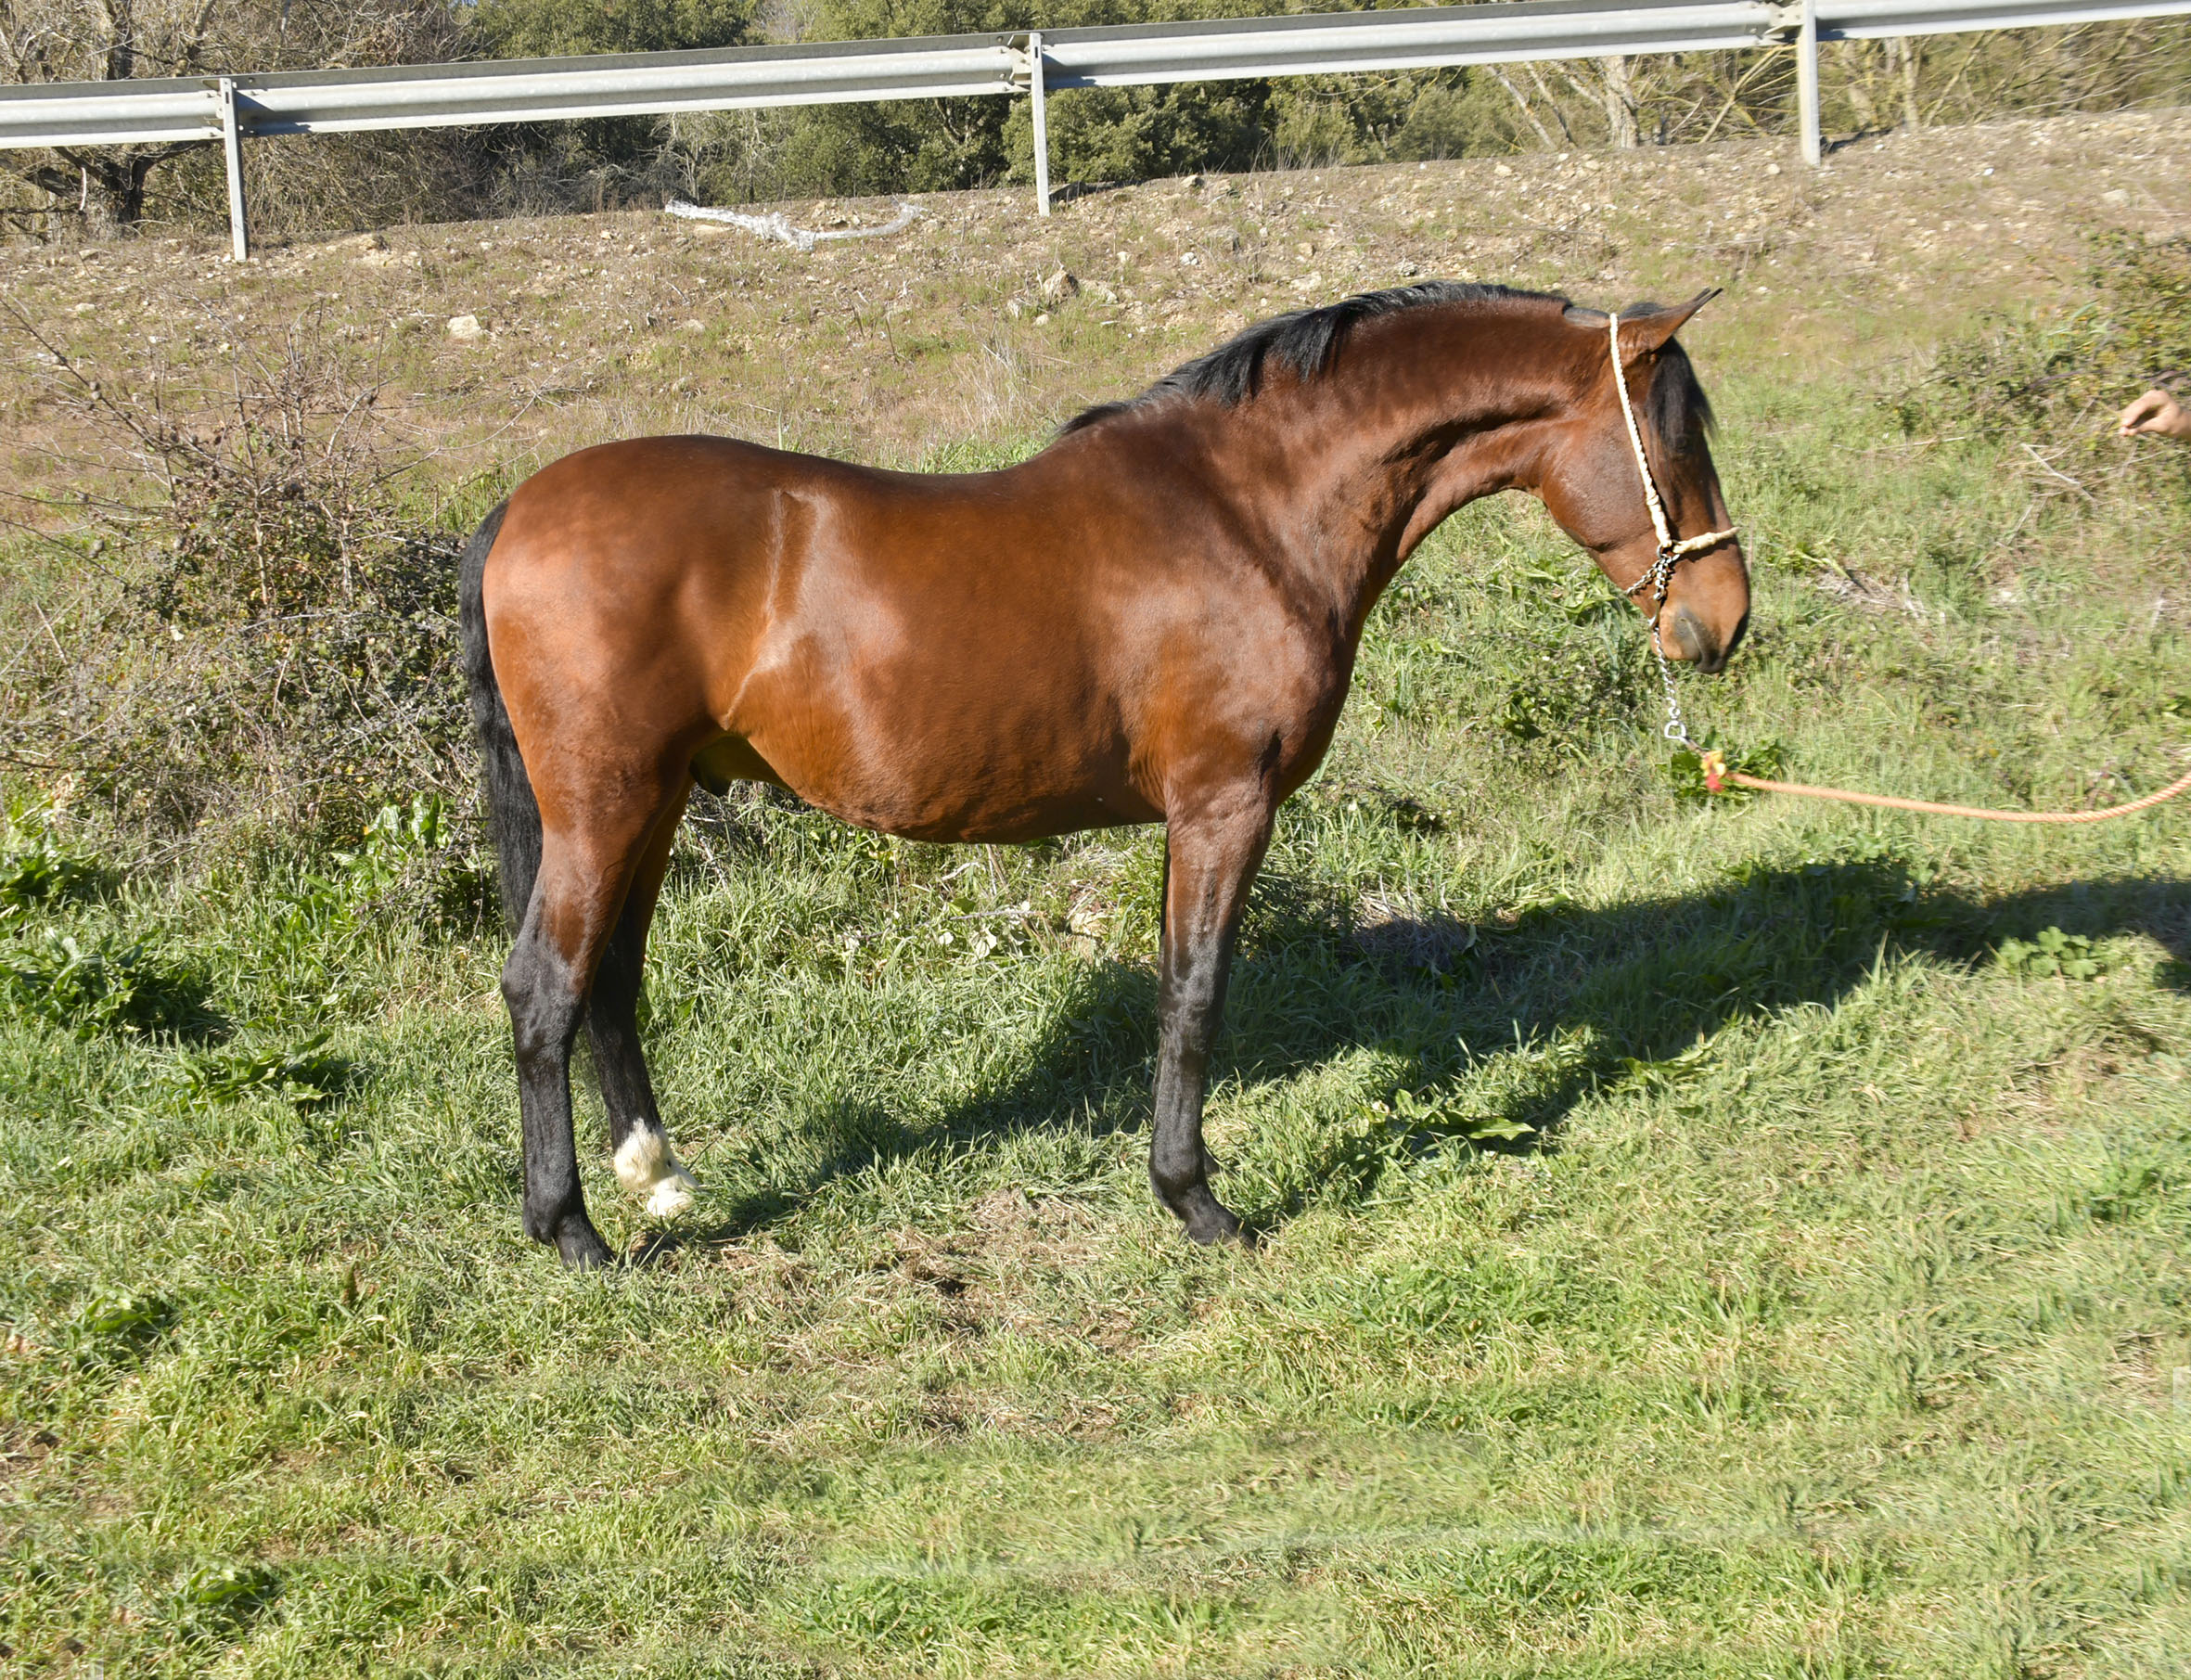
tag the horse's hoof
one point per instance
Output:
(582, 1250)
(1214, 1224)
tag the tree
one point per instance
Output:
(1620, 102)
(544, 166)
(548, 29)
(123, 40)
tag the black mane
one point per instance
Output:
(1306, 341)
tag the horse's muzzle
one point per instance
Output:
(1695, 641)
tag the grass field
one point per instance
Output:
(1730, 1241)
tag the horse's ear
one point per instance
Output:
(1645, 327)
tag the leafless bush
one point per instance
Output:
(264, 623)
(309, 187)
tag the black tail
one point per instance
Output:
(510, 805)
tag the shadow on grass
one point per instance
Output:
(1564, 1000)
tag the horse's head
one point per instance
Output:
(1592, 484)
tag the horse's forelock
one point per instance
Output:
(1675, 408)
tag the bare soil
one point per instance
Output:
(942, 344)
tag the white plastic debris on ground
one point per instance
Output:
(775, 226)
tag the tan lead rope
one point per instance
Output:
(1717, 774)
(1717, 777)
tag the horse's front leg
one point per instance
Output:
(1212, 851)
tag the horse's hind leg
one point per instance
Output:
(1211, 858)
(587, 867)
(645, 1164)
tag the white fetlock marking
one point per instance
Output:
(649, 1169)
(672, 1196)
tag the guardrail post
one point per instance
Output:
(1807, 85)
(240, 236)
(1039, 109)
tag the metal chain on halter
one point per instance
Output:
(1673, 729)
(1657, 577)
(1671, 551)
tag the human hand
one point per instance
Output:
(2156, 413)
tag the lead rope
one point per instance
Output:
(1717, 777)
(1671, 553)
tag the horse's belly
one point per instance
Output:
(1006, 822)
(931, 800)
(913, 772)
(977, 708)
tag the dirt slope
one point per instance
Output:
(914, 348)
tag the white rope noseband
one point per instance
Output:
(1671, 551)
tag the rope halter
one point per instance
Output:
(1672, 551)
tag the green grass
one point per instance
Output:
(1695, 1240)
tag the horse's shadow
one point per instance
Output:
(1571, 1000)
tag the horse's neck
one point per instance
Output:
(1374, 457)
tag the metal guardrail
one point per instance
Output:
(232, 107)
(1869, 20)
(1412, 38)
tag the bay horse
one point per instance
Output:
(1154, 619)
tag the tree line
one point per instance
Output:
(333, 181)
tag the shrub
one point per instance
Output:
(41, 873)
(104, 990)
(409, 863)
(2051, 952)
(269, 624)
(304, 1077)
(2062, 378)
(1568, 687)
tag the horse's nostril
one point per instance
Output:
(1696, 639)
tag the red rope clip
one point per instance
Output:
(1715, 770)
